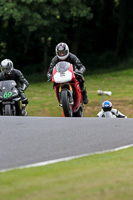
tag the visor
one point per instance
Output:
(6, 70)
(62, 53)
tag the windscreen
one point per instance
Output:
(62, 66)
(8, 84)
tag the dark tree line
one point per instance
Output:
(99, 31)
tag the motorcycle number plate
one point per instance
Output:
(7, 95)
(62, 74)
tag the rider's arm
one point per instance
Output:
(22, 80)
(117, 113)
(101, 113)
(78, 63)
(52, 64)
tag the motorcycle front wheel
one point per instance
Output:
(67, 107)
(8, 111)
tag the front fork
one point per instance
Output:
(70, 91)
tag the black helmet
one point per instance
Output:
(6, 66)
(62, 51)
(106, 106)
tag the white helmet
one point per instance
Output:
(6, 66)
(62, 51)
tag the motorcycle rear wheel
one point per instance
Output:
(67, 107)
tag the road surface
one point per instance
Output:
(28, 140)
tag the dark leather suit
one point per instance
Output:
(71, 59)
(22, 83)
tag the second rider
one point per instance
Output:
(63, 54)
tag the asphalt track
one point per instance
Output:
(28, 140)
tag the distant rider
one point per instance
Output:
(63, 54)
(9, 73)
(107, 106)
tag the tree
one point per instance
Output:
(35, 26)
(125, 40)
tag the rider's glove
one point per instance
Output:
(78, 71)
(82, 70)
(49, 76)
(25, 101)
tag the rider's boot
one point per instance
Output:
(85, 97)
(24, 112)
(25, 101)
(84, 92)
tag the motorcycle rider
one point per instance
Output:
(63, 54)
(107, 106)
(9, 73)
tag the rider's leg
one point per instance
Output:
(83, 89)
(84, 92)
(25, 101)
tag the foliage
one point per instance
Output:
(36, 20)
(30, 29)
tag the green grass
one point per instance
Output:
(107, 176)
(43, 100)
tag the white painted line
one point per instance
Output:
(65, 159)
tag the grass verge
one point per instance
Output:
(43, 100)
(105, 176)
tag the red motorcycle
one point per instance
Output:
(67, 88)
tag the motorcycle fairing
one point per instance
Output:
(79, 97)
(63, 77)
(8, 89)
(63, 73)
